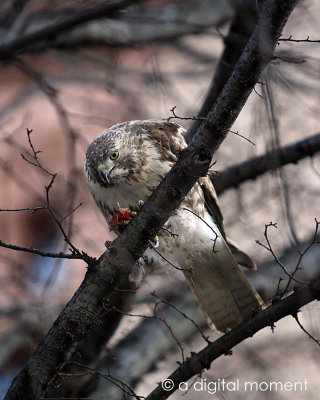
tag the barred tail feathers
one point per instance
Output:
(224, 294)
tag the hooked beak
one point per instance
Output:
(106, 175)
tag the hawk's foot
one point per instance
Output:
(140, 203)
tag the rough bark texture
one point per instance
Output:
(110, 272)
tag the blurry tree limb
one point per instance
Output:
(251, 169)
(275, 132)
(150, 25)
(9, 17)
(109, 274)
(268, 317)
(21, 43)
(241, 28)
(105, 25)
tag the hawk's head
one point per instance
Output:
(126, 162)
(130, 149)
(112, 156)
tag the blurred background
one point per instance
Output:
(67, 82)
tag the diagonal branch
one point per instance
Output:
(110, 274)
(201, 360)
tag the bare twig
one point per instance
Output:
(127, 389)
(36, 162)
(75, 252)
(163, 320)
(243, 137)
(208, 225)
(167, 261)
(305, 331)
(34, 209)
(72, 255)
(201, 119)
(71, 212)
(175, 116)
(307, 40)
(183, 314)
(154, 316)
(302, 254)
(270, 249)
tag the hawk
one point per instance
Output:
(123, 165)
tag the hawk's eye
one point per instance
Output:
(114, 155)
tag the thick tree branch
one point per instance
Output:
(251, 169)
(201, 360)
(110, 274)
(241, 28)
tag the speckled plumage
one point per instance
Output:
(144, 152)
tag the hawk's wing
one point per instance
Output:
(212, 206)
(170, 139)
(167, 134)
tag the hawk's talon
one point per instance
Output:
(140, 203)
(107, 244)
(155, 242)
